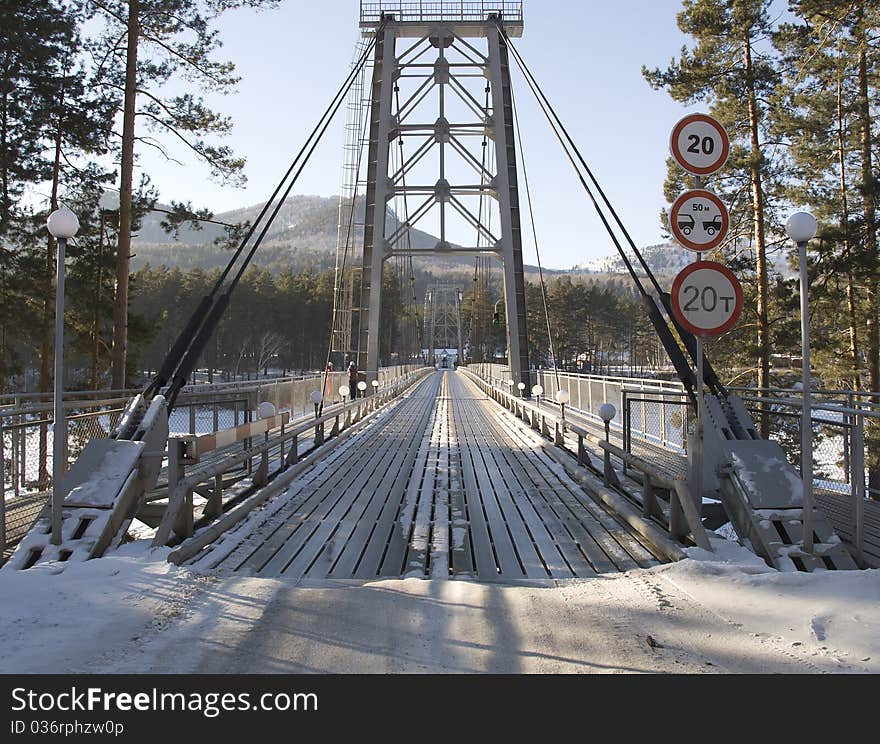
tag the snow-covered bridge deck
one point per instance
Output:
(446, 484)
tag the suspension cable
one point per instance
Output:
(550, 112)
(522, 160)
(347, 244)
(196, 346)
(178, 350)
(661, 325)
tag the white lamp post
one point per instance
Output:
(607, 412)
(315, 396)
(801, 227)
(362, 387)
(537, 391)
(521, 386)
(562, 397)
(63, 225)
(375, 384)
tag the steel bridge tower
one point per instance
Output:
(443, 319)
(441, 87)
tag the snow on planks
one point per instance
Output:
(444, 485)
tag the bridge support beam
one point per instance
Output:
(506, 185)
(377, 195)
(472, 88)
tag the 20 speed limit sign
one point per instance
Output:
(699, 144)
(707, 299)
(699, 220)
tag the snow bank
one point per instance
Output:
(834, 616)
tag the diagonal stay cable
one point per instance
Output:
(522, 160)
(194, 351)
(178, 351)
(687, 338)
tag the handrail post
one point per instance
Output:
(649, 502)
(261, 477)
(183, 525)
(214, 507)
(293, 455)
(677, 522)
(559, 434)
(858, 481)
(607, 470)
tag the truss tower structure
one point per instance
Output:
(440, 91)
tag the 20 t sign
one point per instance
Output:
(707, 298)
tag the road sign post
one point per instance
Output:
(707, 299)
(699, 222)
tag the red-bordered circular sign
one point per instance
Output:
(707, 298)
(699, 220)
(699, 144)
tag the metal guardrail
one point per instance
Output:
(665, 419)
(681, 521)
(26, 429)
(178, 517)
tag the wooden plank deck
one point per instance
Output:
(445, 485)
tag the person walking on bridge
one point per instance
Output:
(353, 380)
(328, 385)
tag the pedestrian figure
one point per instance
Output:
(352, 380)
(328, 387)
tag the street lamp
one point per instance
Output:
(315, 396)
(801, 227)
(362, 386)
(63, 225)
(562, 397)
(537, 391)
(521, 386)
(375, 384)
(607, 412)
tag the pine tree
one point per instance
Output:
(834, 62)
(148, 43)
(728, 68)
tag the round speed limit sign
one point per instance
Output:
(699, 144)
(707, 298)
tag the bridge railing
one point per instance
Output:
(189, 472)
(681, 520)
(655, 416)
(840, 451)
(26, 445)
(27, 428)
(429, 11)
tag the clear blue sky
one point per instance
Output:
(587, 55)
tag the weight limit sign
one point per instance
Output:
(707, 298)
(699, 144)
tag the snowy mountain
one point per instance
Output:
(665, 259)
